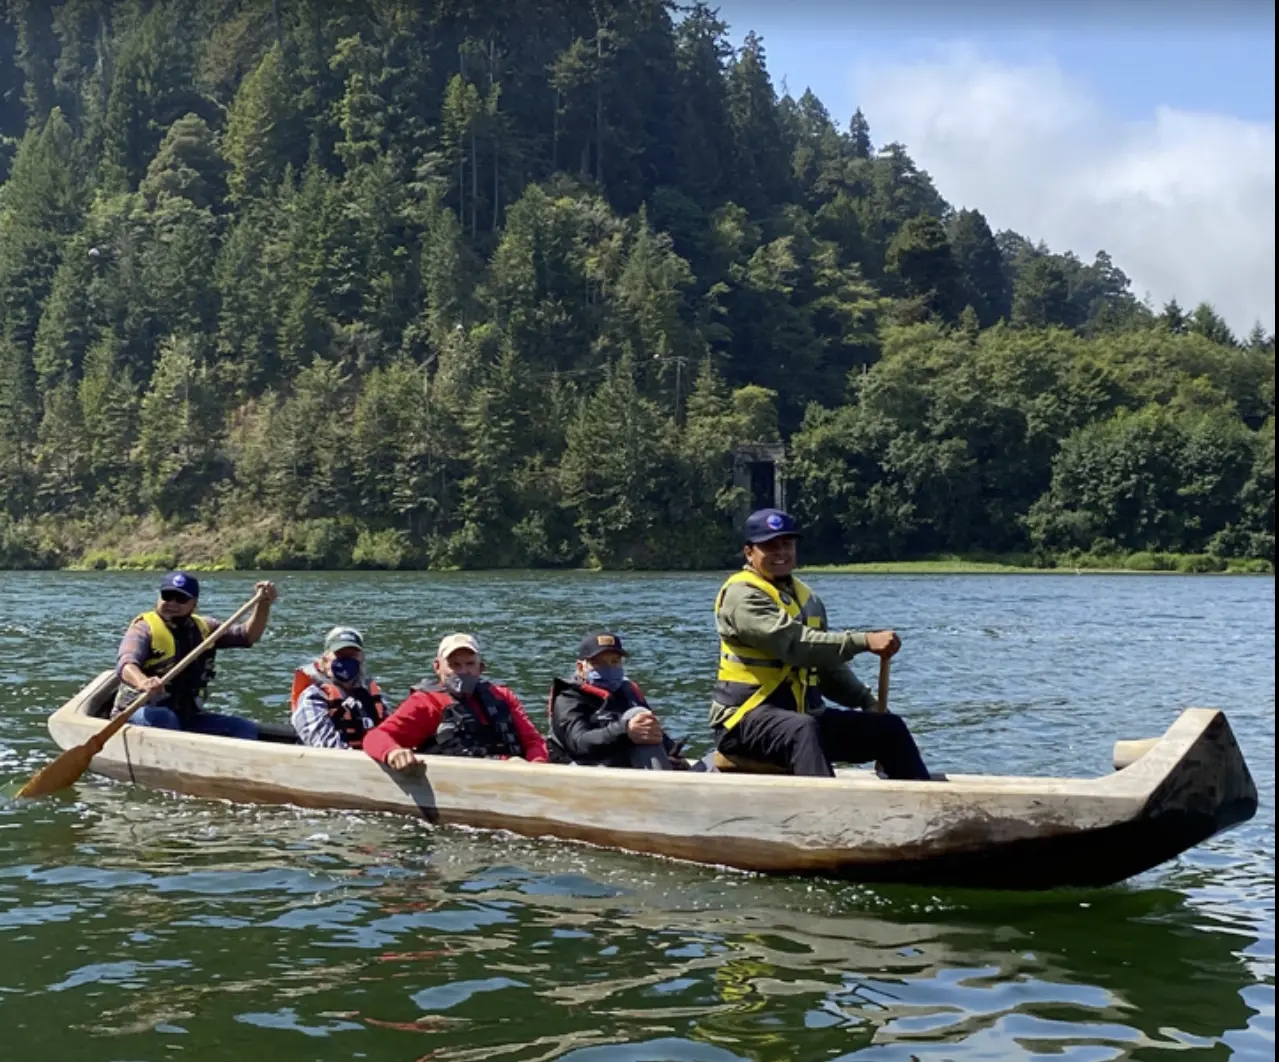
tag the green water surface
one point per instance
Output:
(138, 925)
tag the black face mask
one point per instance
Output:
(461, 685)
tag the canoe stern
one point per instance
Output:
(1208, 788)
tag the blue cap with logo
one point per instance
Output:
(182, 583)
(764, 525)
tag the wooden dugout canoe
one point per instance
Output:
(966, 830)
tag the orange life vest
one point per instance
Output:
(353, 712)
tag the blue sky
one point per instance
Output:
(1217, 56)
(1145, 128)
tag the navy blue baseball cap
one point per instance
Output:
(764, 525)
(602, 642)
(182, 583)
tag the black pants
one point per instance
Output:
(806, 744)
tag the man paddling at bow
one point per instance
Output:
(157, 640)
(460, 714)
(778, 662)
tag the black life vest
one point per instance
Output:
(463, 733)
(612, 706)
(609, 708)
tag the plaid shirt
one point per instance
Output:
(313, 723)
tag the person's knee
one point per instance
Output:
(158, 716)
(232, 726)
(806, 731)
(895, 727)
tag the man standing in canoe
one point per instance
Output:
(778, 660)
(461, 714)
(158, 639)
(334, 702)
(601, 719)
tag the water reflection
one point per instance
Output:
(303, 926)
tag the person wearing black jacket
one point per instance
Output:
(601, 719)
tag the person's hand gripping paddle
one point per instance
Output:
(67, 768)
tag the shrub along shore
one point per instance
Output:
(148, 545)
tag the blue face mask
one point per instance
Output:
(608, 678)
(345, 669)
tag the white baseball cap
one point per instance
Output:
(451, 643)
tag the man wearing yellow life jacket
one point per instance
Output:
(157, 640)
(334, 702)
(778, 662)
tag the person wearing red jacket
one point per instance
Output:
(461, 714)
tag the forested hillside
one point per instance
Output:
(463, 283)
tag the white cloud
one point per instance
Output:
(1184, 202)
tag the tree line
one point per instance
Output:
(310, 283)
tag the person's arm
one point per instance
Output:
(135, 647)
(256, 623)
(531, 740)
(312, 722)
(414, 722)
(749, 615)
(840, 685)
(580, 738)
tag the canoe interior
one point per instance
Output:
(99, 707)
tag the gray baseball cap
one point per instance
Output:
(341, 638)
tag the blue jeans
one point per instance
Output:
(231, 726)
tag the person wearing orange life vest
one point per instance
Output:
(778, 663)
(601, 719)
(334, 704)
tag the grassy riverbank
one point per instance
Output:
(1119, 564)
(148, 544)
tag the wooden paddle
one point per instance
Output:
(67, 768)
(881, 704)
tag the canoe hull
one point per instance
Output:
(980, 831)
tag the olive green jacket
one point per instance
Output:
(749, 616)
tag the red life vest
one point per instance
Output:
(634, 695)
(353, 712)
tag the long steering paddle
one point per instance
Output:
(881, 701)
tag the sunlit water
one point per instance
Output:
(137, 925)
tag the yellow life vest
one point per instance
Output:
(748, 677)
(164, 647)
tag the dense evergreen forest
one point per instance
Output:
(478, 284)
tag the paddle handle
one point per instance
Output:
(105, 734)
(885, 662)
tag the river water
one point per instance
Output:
(138, 925)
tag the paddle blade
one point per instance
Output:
(62, 772)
